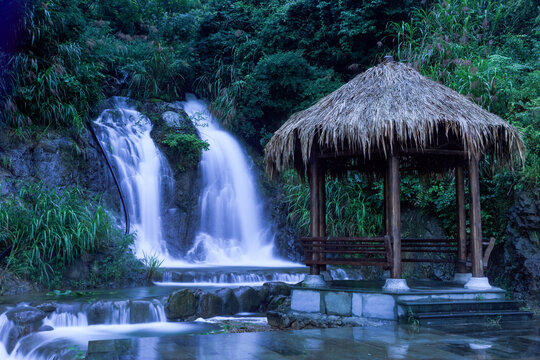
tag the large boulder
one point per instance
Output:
(181, 304)
(210, 305)
(248, 298)
(25, 320)
(230, 303)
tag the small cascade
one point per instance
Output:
(231, 277)
(71, 326)
(144, 173)
(232, 229)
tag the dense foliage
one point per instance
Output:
(48, 229)
(259, 61)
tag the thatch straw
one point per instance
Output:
(392, 104)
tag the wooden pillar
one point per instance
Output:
(460, 219)
(394, 216)
(314, 180)
(322, 208)
(475, 220)
(385, 201)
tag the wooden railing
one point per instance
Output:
(377, 251)
(374, 251)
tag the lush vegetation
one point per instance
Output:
(257, 62)
(49, 229)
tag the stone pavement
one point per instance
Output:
(512, 340)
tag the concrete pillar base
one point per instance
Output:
(395, 286)
(462, 278)
(478, 283)
(314, 281)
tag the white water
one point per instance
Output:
(142, 170)
(72, 331)
(233, 230)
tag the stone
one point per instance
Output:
(314, 281)
(395, 286)
(45, 328)
(25, 315)
(97, 312)
(379, 306)
(306, 301)
(230, 303)
(181, 304)
(338, 303)
(139, 311)
(462, 278)
(248, 298)
(477, 283)
(277, 301)
(46, 307)
(210, 305)
(26, 320)
(171, 119)
(356, 308)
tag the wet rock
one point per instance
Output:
(230, 303)
(248, 298)
(26, 320)
(45, 328)
(181, 304)
(97, 312)
(277, 302)
(171, 119)
(210, 305)
(25, 315)
(277, 288)
(520, 252)
(46, 307)
(139, 312)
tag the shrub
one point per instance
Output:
(47, 229)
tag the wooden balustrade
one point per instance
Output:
(378, 251)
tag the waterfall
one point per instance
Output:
(71, 326)
(232, 226)
(143, 171)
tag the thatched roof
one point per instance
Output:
(392, 105)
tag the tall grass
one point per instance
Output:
(48, 229)
(353, 205)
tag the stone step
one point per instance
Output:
(484, 317)
(418, 307)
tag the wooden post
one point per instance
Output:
(322, 209)
(314, 180)
(385, 201)
(475, 220)
(394, 216)
(460, 219)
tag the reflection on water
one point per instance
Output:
(519, 340)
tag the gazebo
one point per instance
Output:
(387, 120)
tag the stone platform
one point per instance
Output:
(366, 299)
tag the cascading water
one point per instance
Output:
(67, 330)
(232, 229)
(142, 169)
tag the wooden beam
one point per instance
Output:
(394, 216)
(433, 152)
(475, 219)
(460, 219)
(314, 207)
